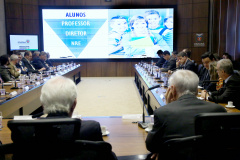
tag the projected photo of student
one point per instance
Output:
(140, 41)
(119, 27)
(153, 18)
(167, 31)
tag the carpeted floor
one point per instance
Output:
(108, 96)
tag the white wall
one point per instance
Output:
(3, 42)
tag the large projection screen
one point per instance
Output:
(107, 33)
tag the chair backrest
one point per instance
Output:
(218, 125)
(92, 150)
(43, 138)
(181, 148)
(220, 131)
(44, 131)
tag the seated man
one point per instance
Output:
(4, 72)
(59, 99)
(35, 55)
(39, 62)
(15, 72)
(20, 64)
(176, 118)
(231, 86)
(48, 60)
(27, 62)
(210, 74)
(161, 60)
(188, 51)
(185, 63)
(170, 62)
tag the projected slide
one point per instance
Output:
(107, 33)
(23, 42)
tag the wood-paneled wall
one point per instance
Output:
(22, 17)
(226, 27)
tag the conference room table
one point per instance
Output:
(155, 98)
(25, 102)
(125, 137)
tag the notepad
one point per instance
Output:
(24, 117)
(132, 116)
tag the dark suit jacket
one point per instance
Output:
(176, 119)
(39, 63)
(229, 92)
(160, 62)
(189, 65)
(169, 64)
(21, 66)
(6, 75)
(89, 130)
(207, 85)
(29, 66)
(49, 63)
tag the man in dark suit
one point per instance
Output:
(209, 63)
(176, 118)
(231, 87)
(185, 63)
(161, 60)
(40, 62)
(27, 62)
(170, 62)
(59, 99)
(48, 60)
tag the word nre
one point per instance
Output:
(81, 14)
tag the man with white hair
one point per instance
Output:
(231, 86)
(15, 72)
(176, 118)
(59, 99)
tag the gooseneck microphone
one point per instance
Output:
(143, 124)
(151, 88)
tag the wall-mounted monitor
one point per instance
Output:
(23, 42)
(107, 33)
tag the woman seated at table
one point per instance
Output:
(4, 72)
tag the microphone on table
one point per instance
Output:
(143, 124)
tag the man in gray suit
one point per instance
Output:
(176, 118)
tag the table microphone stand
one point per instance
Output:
(143, 124)
(160, 77)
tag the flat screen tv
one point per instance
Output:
(107, 33)
(23, 42)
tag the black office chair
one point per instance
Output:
(220, 135)
(217, 137)
(181, 148)
(54, 139)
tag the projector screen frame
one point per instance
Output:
(14, 34)
(40, 37)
